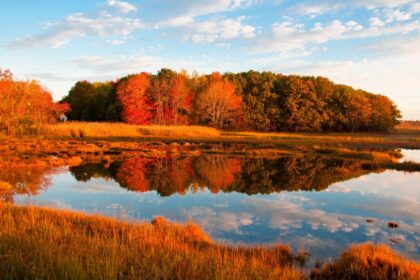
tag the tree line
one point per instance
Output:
(260, 101)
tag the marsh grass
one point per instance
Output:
(49, 244)
(105, 130)
(369, 261)
(116, 131)
(37, 243)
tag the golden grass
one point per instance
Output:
(100, 129)
(413, 126)
(369, 261)
(115, 131)
(37, 243)
(179, 131)
(90, 129)
(49, 244)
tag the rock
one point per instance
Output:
(392, 225)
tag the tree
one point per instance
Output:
(131, 91)
(93, 102)
(384, 113)
(25, 106)
(299, 106)
(218, 105)
(180, 99)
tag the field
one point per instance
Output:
(50, 244)
(400, 138)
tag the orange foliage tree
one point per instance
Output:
(131, 92)
(219, 105)
(26, 105)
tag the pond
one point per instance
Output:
(317, 203)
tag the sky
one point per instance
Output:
(369, 44)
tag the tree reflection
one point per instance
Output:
(180, 174)
(217, 173)
(22, 181)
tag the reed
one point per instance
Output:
(101, 129)
(369, 261)
(49, 244)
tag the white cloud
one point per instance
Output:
(287, 36)
(195, 8)
(176, 21)
(396, 15)
(119, 64)
(210, 30)
(415, 8)
(315, 8)
(123, 7)
(79, 25)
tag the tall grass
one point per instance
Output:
(37, 243)
(99, 130)
(409, 126)
(49, 244)
(368, 261)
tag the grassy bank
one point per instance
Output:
(368, 261)
(106, 130)
(118, 131)
(48, 244)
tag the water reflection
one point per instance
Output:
(218, 173)
(318, 203)
(22, 181)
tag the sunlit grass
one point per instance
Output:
(37, 243)
(99, 129)
(369, 261)
(115, 131)
(49, 244)
(408, 126)
(179, 131)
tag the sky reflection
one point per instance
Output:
(322, 222)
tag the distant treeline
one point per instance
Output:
(261, 101)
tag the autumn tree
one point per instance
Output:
(299, 105)
(131, 91)
(259, 99)
(218, 105)
(26, 105)
(385, 113)
(180, 99)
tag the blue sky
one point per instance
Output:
(369, 44)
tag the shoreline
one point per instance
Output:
(162, 249)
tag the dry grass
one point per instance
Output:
(368, 261)
(115, 131)
(48, 244)
(99, 130)
(91, 129)
(409, 126)
(37, 243)
(179, 131)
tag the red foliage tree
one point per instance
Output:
(180, 99)
(131, 92)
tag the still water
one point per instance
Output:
(316, 203)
